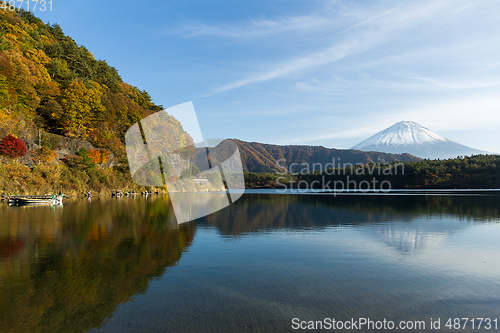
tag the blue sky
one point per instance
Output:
(328, 73)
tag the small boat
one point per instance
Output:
(19, 200)
(118, 194)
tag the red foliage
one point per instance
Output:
(12, 147)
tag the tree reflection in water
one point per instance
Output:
(261, 212)
(66, 269)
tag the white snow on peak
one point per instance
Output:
(402, 133)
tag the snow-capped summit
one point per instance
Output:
(410, 137)
(402, 133)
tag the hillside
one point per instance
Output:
(259, 157)
(50, 83)
(65, 106)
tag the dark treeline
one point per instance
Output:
(477, 171)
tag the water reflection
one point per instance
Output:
(406, 224)
(259, 212)
(311, 257)
(411, 240)
(65, 269)
(280, 256)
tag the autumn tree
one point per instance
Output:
(99, 156)
(12, 147)
(80, 161)
(82, 107)
(43, 154)
(86, 160)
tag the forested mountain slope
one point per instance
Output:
(49, 82)
(260, 157)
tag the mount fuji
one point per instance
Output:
(410, 137)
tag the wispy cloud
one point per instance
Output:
(466, 113)
(368, 20)
(322, 19)
(332, 54)
(368, 33)
(351, 133)
(353, 67)
(400, 83)
(256, 28)
(435, 83)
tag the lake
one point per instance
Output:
(268, 263)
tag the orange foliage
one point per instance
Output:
(5, 67)
(99, 156)
(49, 89)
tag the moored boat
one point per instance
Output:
(35, 200)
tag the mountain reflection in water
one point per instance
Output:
(69, 268)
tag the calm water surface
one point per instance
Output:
(124, 265)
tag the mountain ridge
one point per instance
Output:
(412, 138)
(262, 157)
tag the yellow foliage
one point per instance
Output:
(11, 37)
(9, 28)
(81, 104)
(26, 76)
(46, 41)
(7, 121)
(43, 154)
(38, 56)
